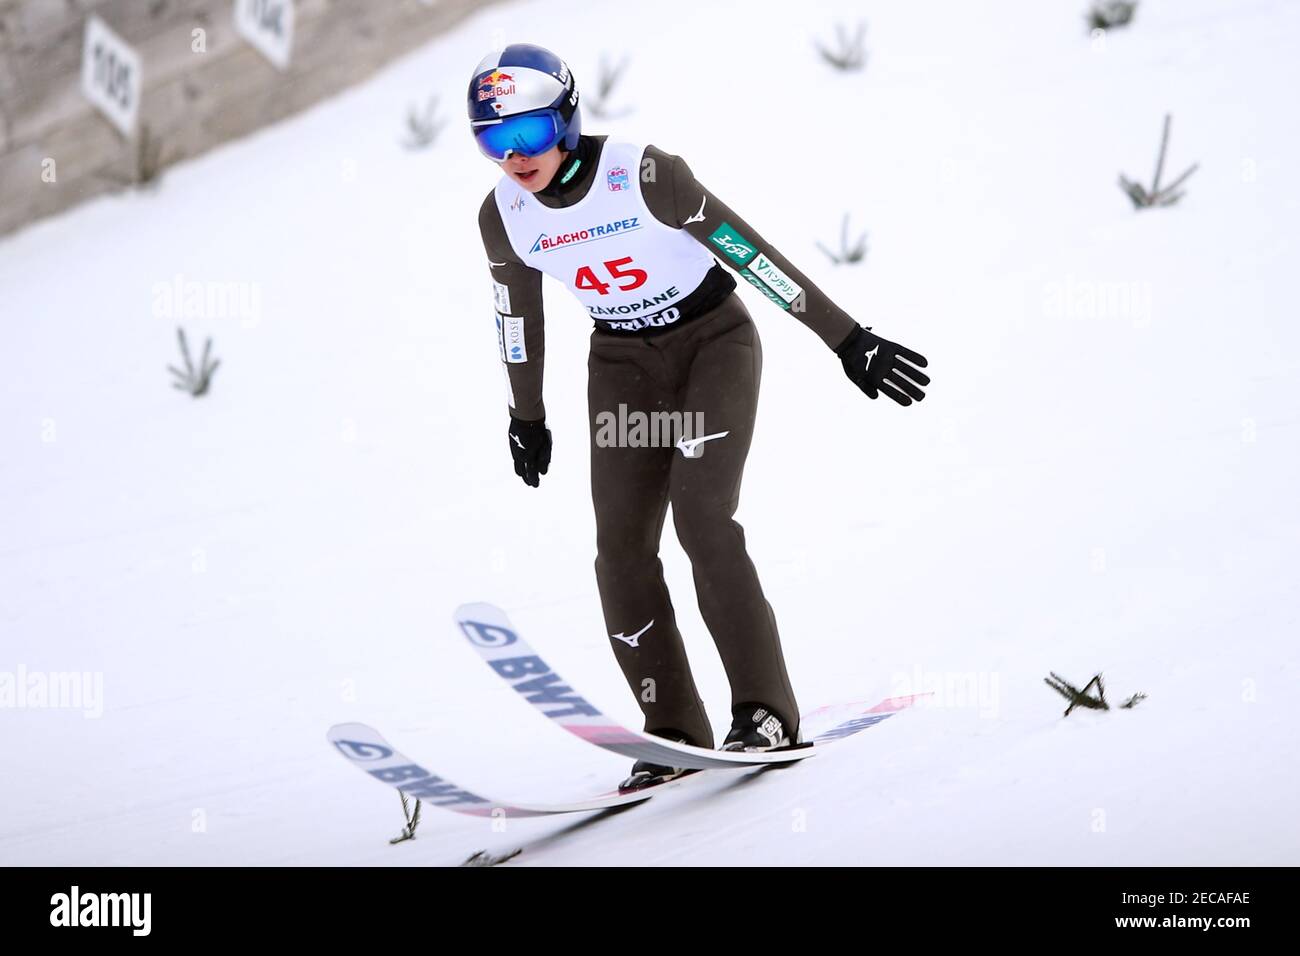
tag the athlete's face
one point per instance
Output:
(534, 172)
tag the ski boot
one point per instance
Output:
(646, 773)
(755, 727)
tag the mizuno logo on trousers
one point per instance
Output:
(631, 639)
(690, 447)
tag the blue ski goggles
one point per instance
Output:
(530, 134)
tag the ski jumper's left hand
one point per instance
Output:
(880, 367)
(875, 365)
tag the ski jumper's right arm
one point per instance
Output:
(517, 295)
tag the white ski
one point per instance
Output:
(367, 749)
(489, 631)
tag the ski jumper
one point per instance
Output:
(642, 245)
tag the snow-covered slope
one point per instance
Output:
(1103, 476)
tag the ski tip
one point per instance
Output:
(477, 610)
(348, 730)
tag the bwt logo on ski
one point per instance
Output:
(542, 687)
(361, 750)
(102, 909)
(530, 675)
(488, 635)
(409, 778)
(545, 243)
(423, 785)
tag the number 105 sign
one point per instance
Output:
(110, 75)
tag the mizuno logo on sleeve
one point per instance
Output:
(699, 216)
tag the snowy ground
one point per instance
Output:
(1103, 476)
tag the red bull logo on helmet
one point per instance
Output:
(495, 84)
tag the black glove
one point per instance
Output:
(530, 445)
(877, 365)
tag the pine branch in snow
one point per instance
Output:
(1076, 697)
(484, 858)
(849, 55)
(1156, 196)
(194, 380)
(1081, 698)
(423, 127)
(848, 253)
(1108, 14)
(412, 821)
(606, 79)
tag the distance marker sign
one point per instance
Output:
(111, 75)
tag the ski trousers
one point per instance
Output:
(702, 380)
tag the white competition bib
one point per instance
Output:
(628, 269)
